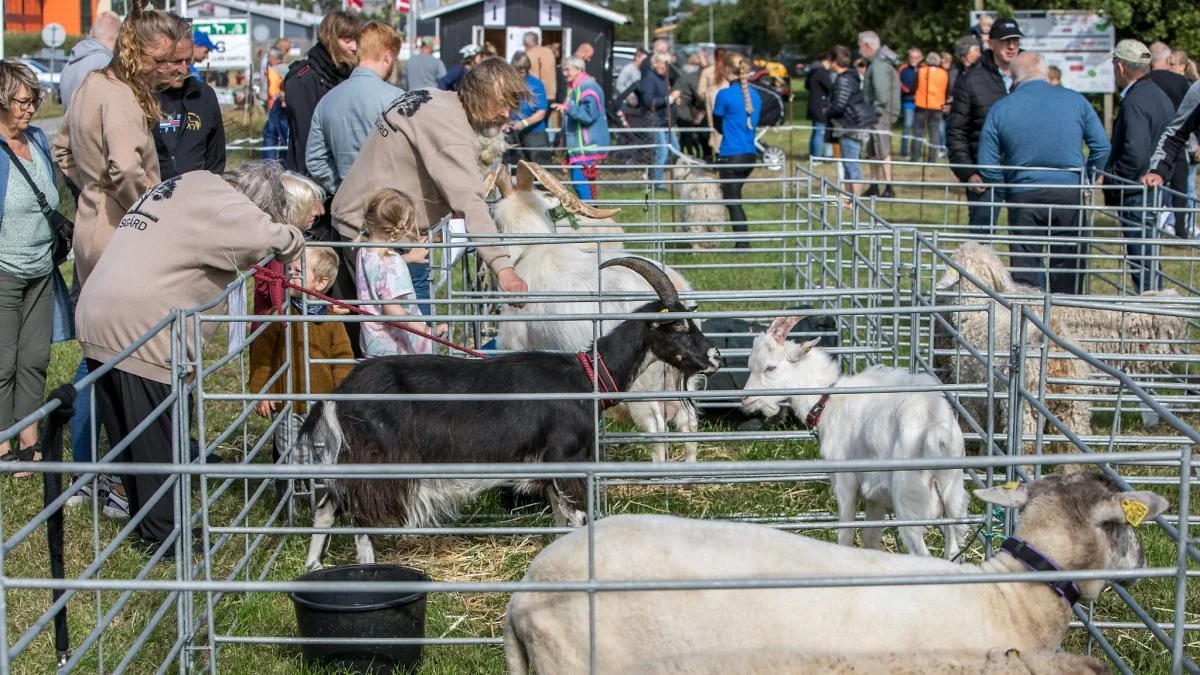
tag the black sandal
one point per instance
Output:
(31, 454)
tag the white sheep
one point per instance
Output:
(1076, 521)
(1129, 328)
(571, 269)
(702, 211)
(1061, 372)
(915, 662)
(896, 425)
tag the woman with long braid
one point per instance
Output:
(735, 115)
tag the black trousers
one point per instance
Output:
(123, 401)
(1042, 213)
(731, 186)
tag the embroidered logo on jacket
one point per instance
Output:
(161, 192)
(169, 124)
(408, 104)
(193, 122)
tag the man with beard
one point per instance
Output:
(427, 145)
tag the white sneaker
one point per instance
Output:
(85, 494)
(116, 506)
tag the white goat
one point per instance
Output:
(915, 662)
(705, 213)
(569, 269)
(1129, 328)
(1076, 521)
(569, 215)
(898, 425)
(1062, 369)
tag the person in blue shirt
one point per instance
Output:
(202, 44)
(1037, 134)
(735, 115)
(529, 122)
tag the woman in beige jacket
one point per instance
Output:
(104, 144)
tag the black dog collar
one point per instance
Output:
(1036, 562)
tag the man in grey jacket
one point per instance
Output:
(424, 70)
(92, 53)
(882, 90)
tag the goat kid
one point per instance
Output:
(424, 432)
(1079, 521)
(897, 425)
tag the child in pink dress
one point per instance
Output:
(381, 274)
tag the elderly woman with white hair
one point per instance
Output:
(180, 246)
(585, 126)
(26, 256)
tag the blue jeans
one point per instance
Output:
(909, 110)
(816, 144)
(81, 421)
(662, 138)
(1137, 227)
(420, 281)
(851, 151)
(275, 132)
(582, 187)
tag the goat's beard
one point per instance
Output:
(491, 147)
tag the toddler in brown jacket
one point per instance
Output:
(314, 339)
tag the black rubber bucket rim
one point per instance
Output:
(402, 600)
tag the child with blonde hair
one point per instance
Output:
(381, 274)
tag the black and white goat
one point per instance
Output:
(422, 432)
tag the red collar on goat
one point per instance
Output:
(597, 372)
(814, 414)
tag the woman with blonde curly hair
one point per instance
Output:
(104, 144)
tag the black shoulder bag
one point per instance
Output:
(61, 227)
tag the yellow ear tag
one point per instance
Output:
(1135, 511)
(664, 311)
(1011, 485)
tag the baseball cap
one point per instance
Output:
(469, 52)
(1132, 51)
(201, 39)
(1004, 29)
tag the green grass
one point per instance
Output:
(453, 558)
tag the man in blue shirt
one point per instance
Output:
(201, 46)
(1037, 132)
(346, 115)
(529, 122)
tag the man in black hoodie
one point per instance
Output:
(974, 94)
(329, 63)
(191, 134)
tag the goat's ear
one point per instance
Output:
(1010, 495)
(797, 352)
(1131, 507)
(780, 328)
(948, 280)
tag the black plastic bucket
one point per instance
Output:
(374, 615)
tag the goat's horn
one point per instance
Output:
(653, 275)
(566, 197)
(781, 327)
(490, 182)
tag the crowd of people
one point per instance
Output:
(1014, 135)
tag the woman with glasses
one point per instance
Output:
(26, 251)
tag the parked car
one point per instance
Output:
(48, 80)
(793, 60)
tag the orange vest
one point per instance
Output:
(932, 82)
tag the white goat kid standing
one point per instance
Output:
(702, 211)
(896, 425)
(1071, 522)
(563, 268)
